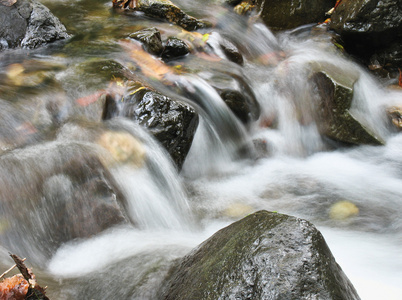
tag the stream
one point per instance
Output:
(300, 173)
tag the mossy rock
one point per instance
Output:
(263, 256)
(335, 90)
(287, 14)
(166, 10)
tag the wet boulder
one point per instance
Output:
(28, 24)
(263, 256)
(232, 53)
(59, 191)
(150, 39)
(237, 95)
(163, 9)
(237, 103)
(371, 28)
(334, 94)
(175, 48)
(172, 123)
(287, 14)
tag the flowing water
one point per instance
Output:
(49, 144)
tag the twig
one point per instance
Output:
(6, 272)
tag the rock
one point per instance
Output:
(237, 104)
(28, 24)
(334, 89)
(123, 147)
(287, 14)
(175, 48)
(395, 115)
(342, 210)
(244, 7)
(173, 124)
(150, 39)
(237, 94)
(371, 27)
(59, 191)
(231, 51)
(163, 9)
(263, 256)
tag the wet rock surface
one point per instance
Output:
(173, 124)
(335, 120)
(163, 9)
(175, 48)
(371, 29)
(150, 39)
(64, 187)
(263, 256)
(287, 14)
(28, 24)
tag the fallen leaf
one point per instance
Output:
(85, 101)
(150, 66)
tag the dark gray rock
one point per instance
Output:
(28, 24)
(173, 124)
(263, 256)
(237, 94)
(231, 51)
(150, 39)
(287, 14)
(371, 28)
(334, 90)
(237, 104)
(175, 48)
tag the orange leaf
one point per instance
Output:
(85, 101)
(150, 66)
(337, 3)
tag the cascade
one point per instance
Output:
(56, 152)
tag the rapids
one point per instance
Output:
(304, 175)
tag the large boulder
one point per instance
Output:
(287, 14)
(263, 256)
(334, 91)
(58, 192)
(370, 27)
(28, 24)
(172, 123)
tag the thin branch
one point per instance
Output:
(6, 272)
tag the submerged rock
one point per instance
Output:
(371, 28)
(263, 256)
(287, 14)
(58, 192)
(335, 120)
(28, 24)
